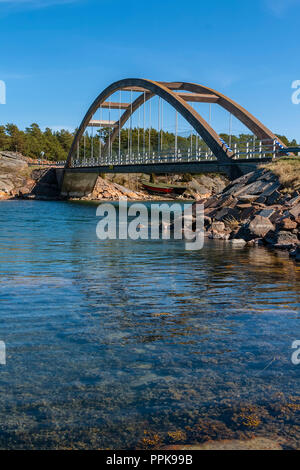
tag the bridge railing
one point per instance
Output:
(49, 163)
(245, 151)
(256, 149)
(248, 150)
(146, 158)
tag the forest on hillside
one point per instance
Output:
(54, 145)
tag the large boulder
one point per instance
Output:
(282, 239)
(260, 226)
(295, 211)
(204, 184)
(256, 228)
(12, 162)
(218, 226)
(13, 167)
(287, 224)
(215, 235)
(238, 242)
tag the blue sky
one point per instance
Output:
(56, 56)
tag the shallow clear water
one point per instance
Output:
(123, 344)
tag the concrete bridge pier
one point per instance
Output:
(76, 184)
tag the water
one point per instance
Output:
(123, 344)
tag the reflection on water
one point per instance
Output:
(123, 344)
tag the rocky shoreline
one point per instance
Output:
(255, 210)
(22, 178)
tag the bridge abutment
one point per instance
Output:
(77, 184)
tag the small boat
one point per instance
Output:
(163, 188)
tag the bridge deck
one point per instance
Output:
(209, 166)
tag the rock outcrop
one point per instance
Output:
(106, 190)
(21, 178)
(13, 174)
(255, 210)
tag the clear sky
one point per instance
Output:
(57, 55)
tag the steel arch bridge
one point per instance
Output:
(179, 95)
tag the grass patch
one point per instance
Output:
(231, 222)
(288, 171)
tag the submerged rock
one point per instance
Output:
(295, 253)
(256, 443)
(238, 241)
(282, 238)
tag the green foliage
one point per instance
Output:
(55, 145)
(291, 143)
(244, 138)
(32, 142)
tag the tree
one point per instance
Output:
(56, 144)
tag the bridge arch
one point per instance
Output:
(179, 101)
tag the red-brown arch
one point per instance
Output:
(166, 91)
(258, 129)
